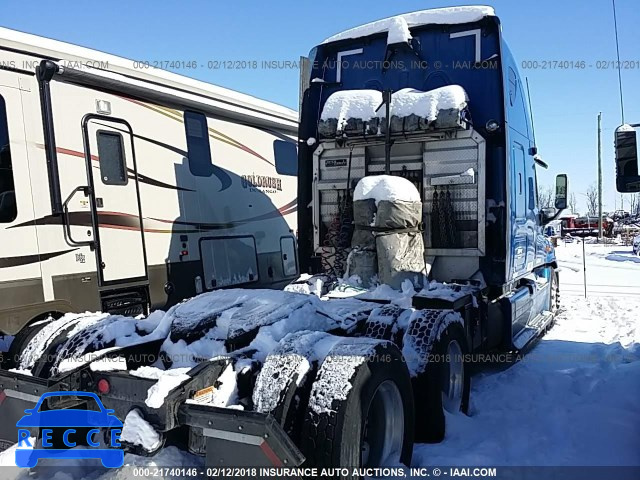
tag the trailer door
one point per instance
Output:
(115, 199)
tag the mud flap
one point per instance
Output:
(236, 438)
(17, 393)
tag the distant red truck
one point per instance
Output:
(585, 226)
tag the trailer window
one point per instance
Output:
(286, 156)
(8, 210)
(113, 169)
(199, 151)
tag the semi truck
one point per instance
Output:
(421, 241)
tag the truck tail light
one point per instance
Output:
(103, 386)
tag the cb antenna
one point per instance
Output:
(615, 26)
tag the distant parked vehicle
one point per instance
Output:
(636, 245)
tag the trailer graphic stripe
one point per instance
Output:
(215, 134)
(8, 262)
(130, 173)
(126, 221)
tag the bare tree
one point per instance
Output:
(592, 200)
(573, 203)
(545, 197)
(634, 203)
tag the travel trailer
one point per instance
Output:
(125, 188)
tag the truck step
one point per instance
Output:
(532, 330)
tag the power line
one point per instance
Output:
(615, 26)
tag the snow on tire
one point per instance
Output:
(282, 386)
(360, 410)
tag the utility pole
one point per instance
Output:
(599, 177)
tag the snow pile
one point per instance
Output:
(398, 31)
(446, 291)
(439, 16)
(307, 284)
(226, 392)
(386, 187)
(167, 381)
(109, 364)
(402, 298)
(625, 128)
(358, 111)
(346, 104)
(410, 101)
(137, 431)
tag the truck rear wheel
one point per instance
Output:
(25, 336)
(444, 386)
(373, 425)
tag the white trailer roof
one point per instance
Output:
(55, 49)
(434, 16)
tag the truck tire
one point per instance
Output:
(445, 384)
(23, 338)
(371, 424)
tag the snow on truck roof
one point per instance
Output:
(49, 48)
(434, 16)
(364, 104)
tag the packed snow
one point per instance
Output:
(398, 31)
(572, 400)
(364, 104)
(439, 16)
(410, 101)
(386, 187)
(167, 380)
(137, 431)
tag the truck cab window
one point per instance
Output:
(113, 168)
(199, 151)
(8, 210)
(286, 157)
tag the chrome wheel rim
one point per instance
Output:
(384, 427)
(453, 378)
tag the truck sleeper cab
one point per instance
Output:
(480, 169)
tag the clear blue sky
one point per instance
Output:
(565, 102)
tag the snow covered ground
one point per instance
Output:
(571, 401)
(612, 270)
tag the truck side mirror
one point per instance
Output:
(626, 145)
(561, 191)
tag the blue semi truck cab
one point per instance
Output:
(460, 130)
